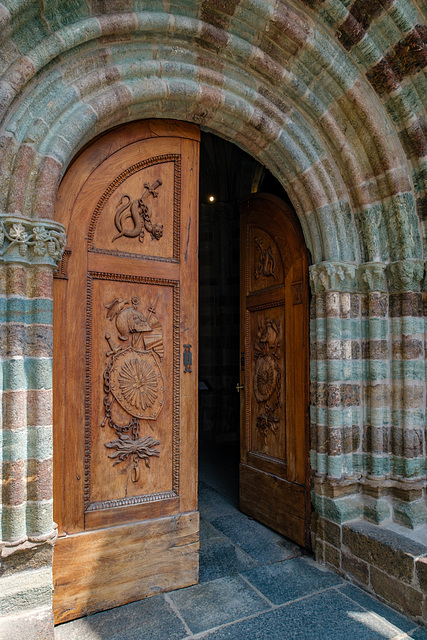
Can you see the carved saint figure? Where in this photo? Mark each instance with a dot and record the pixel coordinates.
(266, 261)
(138, 212)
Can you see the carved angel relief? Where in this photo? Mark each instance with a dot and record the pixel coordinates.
(267, 376)
(133, 379)
(266, 261)
(139, 214)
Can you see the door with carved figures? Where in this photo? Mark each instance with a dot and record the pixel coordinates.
(125, 370)
(274, 485)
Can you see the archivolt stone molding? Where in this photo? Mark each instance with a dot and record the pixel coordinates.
(31, 241)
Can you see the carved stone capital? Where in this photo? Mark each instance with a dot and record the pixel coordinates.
(31, 241)
(406, 275)
(372, 276)
(333, 276)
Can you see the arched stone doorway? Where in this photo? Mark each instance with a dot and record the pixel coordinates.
(324, 101)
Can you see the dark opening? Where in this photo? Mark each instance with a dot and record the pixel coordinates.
(227, 176)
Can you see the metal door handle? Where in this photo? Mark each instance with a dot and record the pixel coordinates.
(239, 387)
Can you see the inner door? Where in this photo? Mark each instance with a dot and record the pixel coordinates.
(274, 373)
(125, 370)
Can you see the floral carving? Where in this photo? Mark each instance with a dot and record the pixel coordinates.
(36, 243)
(267, 376)
(141, 448)
(133, 380)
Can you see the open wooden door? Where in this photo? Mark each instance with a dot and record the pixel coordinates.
(274, 374)
(125, 370)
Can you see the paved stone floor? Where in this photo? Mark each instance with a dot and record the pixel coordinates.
(254, 585)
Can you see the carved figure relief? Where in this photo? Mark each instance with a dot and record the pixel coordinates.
(267, 376)
(133, 379)
(266, 261)
(138, 213)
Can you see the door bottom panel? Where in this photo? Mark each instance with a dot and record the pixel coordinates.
(256, 491)
(101, 569)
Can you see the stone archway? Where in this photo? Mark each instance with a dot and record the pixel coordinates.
(335, 111)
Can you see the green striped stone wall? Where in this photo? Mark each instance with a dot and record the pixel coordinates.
(330, 96)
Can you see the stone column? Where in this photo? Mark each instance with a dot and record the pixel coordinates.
(29, 252)
(408, 383)
(335, 406)
(368, 502)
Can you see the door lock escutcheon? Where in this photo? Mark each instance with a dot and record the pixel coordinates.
(187, 358)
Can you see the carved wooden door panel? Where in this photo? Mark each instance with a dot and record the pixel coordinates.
(274, 340)
(125, 374)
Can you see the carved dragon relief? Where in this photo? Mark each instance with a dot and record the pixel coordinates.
(139, 214)
(266, 261)
(133, 379)
(267, 376)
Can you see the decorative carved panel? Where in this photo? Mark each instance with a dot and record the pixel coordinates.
(265, 350)
(265, 268)
(139, 213)
(132, 407)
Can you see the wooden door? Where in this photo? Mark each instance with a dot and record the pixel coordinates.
(274, 376)
(125, 370)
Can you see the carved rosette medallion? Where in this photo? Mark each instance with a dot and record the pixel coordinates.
(136, 383)
(267, 376)
(133, 379)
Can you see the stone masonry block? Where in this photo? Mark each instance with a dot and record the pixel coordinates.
(356, 568)
(421, 572)
(383, 548)
(35, 624)
(400, 595)
(328, 531)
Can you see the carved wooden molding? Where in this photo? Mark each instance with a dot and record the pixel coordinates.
(62, 271)
(34, 242)
(175, 392)
(134, 500)
(139, 166)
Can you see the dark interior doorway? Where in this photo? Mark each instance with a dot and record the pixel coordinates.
(227, 176)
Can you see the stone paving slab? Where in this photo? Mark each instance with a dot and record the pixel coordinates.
(325, 616)
(371, 604)
(149, 619)
(206, 606)
(213, 504)
(262, 544)
(292, 579)
(220, 558)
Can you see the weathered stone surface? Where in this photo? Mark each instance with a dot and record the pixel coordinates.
(355, 567)
(33, 624)
(384, 549)
(399, 594)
